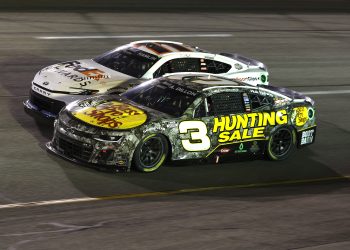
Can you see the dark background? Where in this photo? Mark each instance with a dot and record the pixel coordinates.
(267, 6)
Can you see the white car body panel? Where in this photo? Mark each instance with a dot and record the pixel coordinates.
(67, 81)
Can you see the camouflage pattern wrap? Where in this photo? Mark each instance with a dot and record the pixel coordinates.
(190, 136)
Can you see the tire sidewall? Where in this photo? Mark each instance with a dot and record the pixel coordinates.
(136, 158)
(291, 149)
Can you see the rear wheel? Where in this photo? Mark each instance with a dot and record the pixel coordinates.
(151, 153)
(281, 143)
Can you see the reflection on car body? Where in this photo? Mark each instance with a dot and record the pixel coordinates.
(184, 117)
(129, 65)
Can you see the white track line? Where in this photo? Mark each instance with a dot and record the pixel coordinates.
(328, 92)
(49, 202)
(132, 36)
(162, 193)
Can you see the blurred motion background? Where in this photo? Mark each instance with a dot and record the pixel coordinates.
(179, 5)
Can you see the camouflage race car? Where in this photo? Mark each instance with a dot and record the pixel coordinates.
(184, 117)
(126, 66)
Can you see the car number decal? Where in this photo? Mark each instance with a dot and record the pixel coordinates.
(199, 140)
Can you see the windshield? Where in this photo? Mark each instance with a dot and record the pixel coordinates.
(129, 61)
(164, 95)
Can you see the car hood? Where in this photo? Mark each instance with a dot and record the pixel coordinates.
(75, 76)
(114, 113)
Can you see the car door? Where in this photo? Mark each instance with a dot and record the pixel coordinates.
(199, 136)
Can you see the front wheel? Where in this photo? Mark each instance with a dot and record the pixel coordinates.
(281, 143)
(151, 153)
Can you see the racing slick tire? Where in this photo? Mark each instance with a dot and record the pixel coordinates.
(151, 153)
(282, 144)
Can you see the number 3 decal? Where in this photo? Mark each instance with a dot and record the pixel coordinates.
(199, 140)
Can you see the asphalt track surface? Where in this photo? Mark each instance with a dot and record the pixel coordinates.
(300, 203)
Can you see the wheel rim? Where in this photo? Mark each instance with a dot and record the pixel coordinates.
(281, 142)
(151, 152)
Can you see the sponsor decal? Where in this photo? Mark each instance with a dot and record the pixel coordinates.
(240, 149)
(199, 140)
(247, 126)
(89, 72)
(300, 115)
(307, 137)
(238, 66)
(230, 129)
(263, 78)
(121, 162)
(255, 147)
(180, 89)
(247, 79)
(224, 150)
(41, 91)
(112, 115)
(260, 92)
(246, 102)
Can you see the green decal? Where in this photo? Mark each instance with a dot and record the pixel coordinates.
(241, 149)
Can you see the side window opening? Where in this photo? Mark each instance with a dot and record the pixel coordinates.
(259, 102)
(214, 67)
(184, 65)
(225, 103)
(200, 111)
(164, 69)
(178, 65)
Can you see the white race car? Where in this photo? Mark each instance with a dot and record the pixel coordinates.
(124, 67)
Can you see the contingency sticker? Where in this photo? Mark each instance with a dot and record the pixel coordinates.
(112, 115)
(306, 137)
(301, 115)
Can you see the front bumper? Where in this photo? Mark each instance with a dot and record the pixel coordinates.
(43, 105)
(88, 151)
(36, 111)
(114, 168)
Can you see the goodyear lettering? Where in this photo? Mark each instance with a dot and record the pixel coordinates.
(247, 126)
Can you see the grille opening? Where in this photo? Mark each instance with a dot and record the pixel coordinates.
(74, 149)
(45, 103)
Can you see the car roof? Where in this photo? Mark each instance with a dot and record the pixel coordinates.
(163, 48)
(203, 81)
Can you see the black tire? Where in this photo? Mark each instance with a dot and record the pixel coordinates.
(151, 153)
(281, 143)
